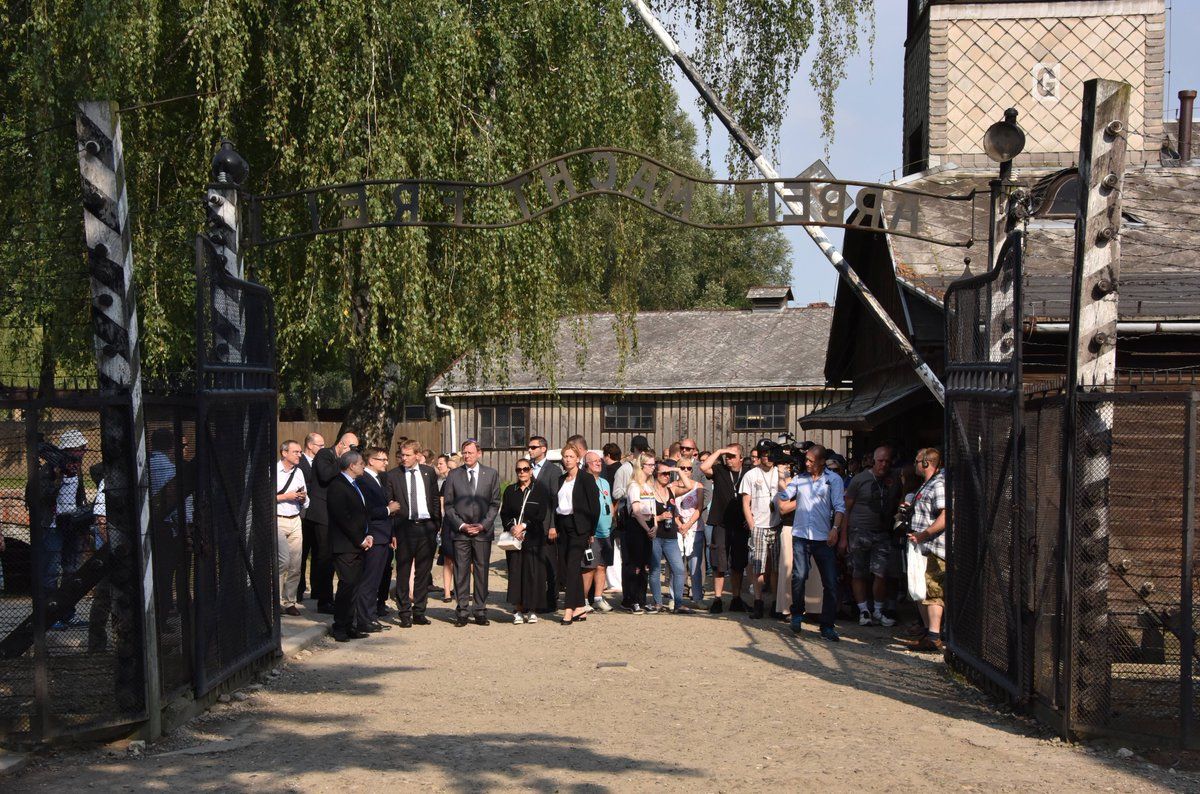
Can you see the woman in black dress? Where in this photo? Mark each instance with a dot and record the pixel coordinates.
(575, 514)
(522, 512)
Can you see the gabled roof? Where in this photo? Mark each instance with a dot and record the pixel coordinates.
(1160, 256)
(701, 350)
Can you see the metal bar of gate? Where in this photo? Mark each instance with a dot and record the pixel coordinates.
(923, 371)
(1187, 633)
(39, 720)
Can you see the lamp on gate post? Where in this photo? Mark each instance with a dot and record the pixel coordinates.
(1002, 142)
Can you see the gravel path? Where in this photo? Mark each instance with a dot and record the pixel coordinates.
(619, 703)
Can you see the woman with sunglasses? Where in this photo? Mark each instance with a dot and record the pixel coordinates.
(575, 516)
(522, 512)
(635, 540)
(689, 499)
(665, 542)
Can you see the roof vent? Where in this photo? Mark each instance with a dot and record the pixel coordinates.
(769, 299)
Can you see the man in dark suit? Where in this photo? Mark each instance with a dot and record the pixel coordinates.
(472, 495)
(379, 519)
(349, 538)
(414, 488)
(314, 516)
(548, 474)
(325, 471)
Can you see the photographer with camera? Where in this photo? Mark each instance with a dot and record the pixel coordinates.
(65, 516)
(758, 490)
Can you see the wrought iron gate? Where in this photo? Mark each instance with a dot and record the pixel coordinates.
(984, 499)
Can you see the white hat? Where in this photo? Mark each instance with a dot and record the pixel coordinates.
(72, 439)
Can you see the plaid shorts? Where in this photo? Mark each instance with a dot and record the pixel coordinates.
(762, 541)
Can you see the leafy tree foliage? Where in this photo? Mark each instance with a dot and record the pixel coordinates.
(323, 91)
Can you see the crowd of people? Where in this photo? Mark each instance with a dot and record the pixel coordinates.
(598, 522)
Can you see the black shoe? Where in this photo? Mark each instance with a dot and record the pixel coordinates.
(372, 628)
(482, 620)
(357, 635)
(717, 607)
(325, 609)
(340, 636)
(757, 612)
(420, 620)
(737, 604)
(292, 611)
(381, 611)
(406, 622)
(460, 621)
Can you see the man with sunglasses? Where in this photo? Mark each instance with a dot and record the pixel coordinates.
(546, 473)
(380, 509)
(730, 548)
(871, 501)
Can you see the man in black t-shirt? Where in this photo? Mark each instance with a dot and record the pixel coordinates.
(730, 549)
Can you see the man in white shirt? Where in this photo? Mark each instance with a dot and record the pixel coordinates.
(758, 489)
(291, 496)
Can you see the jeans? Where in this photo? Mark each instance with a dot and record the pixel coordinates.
(695, 564)
(666, 547)
(804, 553)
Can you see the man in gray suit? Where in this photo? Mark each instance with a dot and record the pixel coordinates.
(472, 498)
(548, 474)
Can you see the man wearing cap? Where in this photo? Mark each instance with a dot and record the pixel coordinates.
(60, 498)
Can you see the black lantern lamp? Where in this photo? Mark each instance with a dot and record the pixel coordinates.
(228, 167)
(1003, 141)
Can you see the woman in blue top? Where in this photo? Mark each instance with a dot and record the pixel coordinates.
(602, 546)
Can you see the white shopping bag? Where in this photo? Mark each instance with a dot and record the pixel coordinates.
(914, 566)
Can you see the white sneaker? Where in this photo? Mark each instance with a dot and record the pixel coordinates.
(883, 620)
(587, 609)
(602, 605)
(864, 617)
(531, 618)
(517, 618)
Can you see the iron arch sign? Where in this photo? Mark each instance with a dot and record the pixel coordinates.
(585, 173)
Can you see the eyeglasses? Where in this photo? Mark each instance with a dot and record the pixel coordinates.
(536, 446)
(687, 449)
(380, 460)
(663, 474)
(684, 468)
(523, 469)
(648, 463)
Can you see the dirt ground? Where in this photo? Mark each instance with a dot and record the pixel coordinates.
(618, 703)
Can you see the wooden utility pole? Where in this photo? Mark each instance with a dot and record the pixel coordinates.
(123, 427)
(1091, 367)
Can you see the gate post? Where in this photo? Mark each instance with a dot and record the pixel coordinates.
(123, 430)
(1092, 363)
(229, 170)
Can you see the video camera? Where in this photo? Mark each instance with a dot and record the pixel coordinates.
(791, 452)
(58, 459)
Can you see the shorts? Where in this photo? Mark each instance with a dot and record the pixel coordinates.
(762, 543)
(603, 549)
(739, 549)
(719, 556)
(870, 553)
(935, 574)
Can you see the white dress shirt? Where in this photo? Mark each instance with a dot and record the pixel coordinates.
(289, 509)
(422, 502)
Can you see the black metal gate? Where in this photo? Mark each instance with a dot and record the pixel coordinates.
(237, 619)
(984, 498)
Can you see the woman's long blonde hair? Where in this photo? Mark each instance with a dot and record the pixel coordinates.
(639, 471)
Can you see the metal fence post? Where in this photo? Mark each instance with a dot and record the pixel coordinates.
(1092, 364)
(118, 358)
(1187, 633)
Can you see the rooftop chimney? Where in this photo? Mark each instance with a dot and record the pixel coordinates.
(1186, 102)
(769, 299)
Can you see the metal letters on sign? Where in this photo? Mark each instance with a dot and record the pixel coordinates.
(536, 192)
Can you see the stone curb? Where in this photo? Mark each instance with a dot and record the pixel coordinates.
(11, 762)
(306, 637)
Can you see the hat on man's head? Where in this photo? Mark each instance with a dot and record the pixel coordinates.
(639, 444)
(72, 439)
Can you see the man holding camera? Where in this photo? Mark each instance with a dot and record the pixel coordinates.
(59, 494)
(291, 496)
(758, 490)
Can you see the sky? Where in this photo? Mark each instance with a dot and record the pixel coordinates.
(868, 136)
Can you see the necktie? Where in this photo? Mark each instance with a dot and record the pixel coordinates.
(412, 494)
(471, 479)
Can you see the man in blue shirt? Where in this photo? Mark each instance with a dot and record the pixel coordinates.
(818, 497)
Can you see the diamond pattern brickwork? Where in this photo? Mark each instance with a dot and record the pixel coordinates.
(988, 66)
